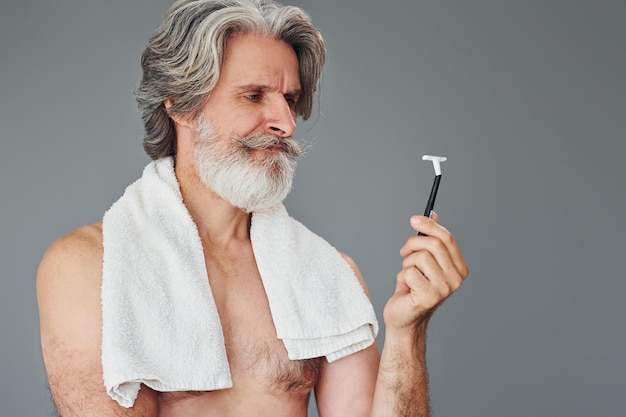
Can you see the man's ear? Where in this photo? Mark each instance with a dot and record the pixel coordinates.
(179, 119)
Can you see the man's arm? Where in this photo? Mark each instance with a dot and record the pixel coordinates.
(346, 386)
(68, 292)
(433, 268)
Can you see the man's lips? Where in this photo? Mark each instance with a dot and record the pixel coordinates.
(277, 147)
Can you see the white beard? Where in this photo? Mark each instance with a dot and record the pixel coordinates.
(241, 172)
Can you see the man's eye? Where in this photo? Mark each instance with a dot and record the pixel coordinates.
(253, 97)
(291, 101)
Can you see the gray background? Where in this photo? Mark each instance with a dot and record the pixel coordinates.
(527, 99)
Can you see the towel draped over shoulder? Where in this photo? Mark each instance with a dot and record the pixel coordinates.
(161, 326)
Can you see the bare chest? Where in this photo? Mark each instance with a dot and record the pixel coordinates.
(252, 347)
(257, 358)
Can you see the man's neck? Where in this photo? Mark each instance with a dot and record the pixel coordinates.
(219, 222)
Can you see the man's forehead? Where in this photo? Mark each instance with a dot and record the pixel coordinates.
(267, 63)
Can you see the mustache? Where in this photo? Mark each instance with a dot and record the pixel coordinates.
(290, 146)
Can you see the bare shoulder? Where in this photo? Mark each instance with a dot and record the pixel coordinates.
(70, 273)
(68, 294)
(84, 238)
(71, 266)
(80, 248)
(356, 270)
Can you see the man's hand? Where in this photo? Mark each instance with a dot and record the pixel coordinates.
(433, 268)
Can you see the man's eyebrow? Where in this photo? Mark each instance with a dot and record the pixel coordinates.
(251, 87)
(295, 92)
(262, 88)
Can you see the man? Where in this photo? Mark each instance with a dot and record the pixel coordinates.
(223, 84)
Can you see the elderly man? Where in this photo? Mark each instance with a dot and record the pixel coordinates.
(197, 295)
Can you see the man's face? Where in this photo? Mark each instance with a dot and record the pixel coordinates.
(244, 150)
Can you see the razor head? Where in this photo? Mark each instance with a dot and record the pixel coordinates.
(437, 160)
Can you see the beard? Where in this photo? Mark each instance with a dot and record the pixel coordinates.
(252, 172)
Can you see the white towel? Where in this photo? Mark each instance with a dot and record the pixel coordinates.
(160, 322)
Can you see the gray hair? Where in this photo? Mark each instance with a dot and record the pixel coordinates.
(183, 58)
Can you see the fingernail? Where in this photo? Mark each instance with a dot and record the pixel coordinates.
(415, 220)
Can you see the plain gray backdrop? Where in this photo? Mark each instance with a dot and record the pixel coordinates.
(527, 99)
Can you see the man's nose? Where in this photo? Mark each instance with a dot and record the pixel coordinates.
(280, 118)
